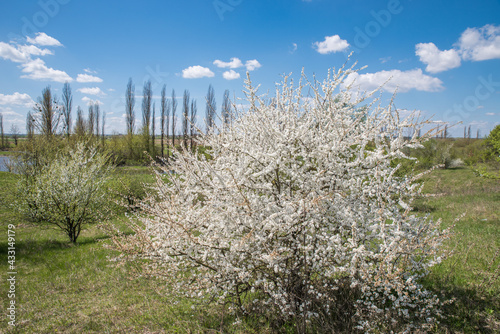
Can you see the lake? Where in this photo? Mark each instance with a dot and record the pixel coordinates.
(4, 160)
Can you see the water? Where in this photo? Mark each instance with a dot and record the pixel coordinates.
(3, 163)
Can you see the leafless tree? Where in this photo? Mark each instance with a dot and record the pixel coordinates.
(147, 95)
(14, 132)
(30, 126)
(49, 112)
(210, 110)
(226, 108)
(192, 128)
(129, 109)
(174, 109)
(153, 132)
(91, 120)
(167, 124)
(67, 99)
(80, 124)
(185, 116)
(102, 131)
(97, 114)
(162, 117)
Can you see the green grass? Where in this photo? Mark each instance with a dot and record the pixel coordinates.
(68, 288)
(470, 275)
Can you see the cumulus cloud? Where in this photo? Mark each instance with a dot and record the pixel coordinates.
(86, 78)
(435, 59)
(331, 44)
(475, 44)
(252, 65)
(196, 72)
(231, 75)
(16, 99)
(9, 113)
(480, 43)
(10, 52)
(234, 63)
(90, 101)
(34, 50)
(91, 91)
(37, 70)
(44, 40)
(395, 79)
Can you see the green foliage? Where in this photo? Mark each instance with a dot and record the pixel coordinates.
(128, 187)
(129, 150)
(66, 191)
(493, 141)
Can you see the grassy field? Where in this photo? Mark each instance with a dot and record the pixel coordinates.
(68, 288)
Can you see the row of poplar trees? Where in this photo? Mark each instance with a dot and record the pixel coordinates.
(53, 117)
(169, 118)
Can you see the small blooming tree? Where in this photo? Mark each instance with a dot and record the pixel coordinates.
(68, 191)
(298, 212)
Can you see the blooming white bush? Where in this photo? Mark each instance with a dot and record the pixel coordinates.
(298, 211)
(68, 191)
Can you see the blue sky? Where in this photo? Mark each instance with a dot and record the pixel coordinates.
(443, 56)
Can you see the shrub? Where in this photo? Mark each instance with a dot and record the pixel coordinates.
(493, 142)
(67, 191)
(296, 218)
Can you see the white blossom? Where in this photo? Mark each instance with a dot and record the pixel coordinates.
(299, 204)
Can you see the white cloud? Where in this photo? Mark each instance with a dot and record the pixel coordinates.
(252, 65)
(196, 72)
(34, 50)
(234, 63)
(230, 75)
(16, 99)
(490, 114)
(385, 59)
(88, 70)
(111, 90)
(44, 40)
(37, 70)
(8, 113)
(86, 78)
(331, 44)
(10, 52)
(294, 47)
(395, 79)
(90, 101)
(435, 59)
(480, 43)
(91, 91)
